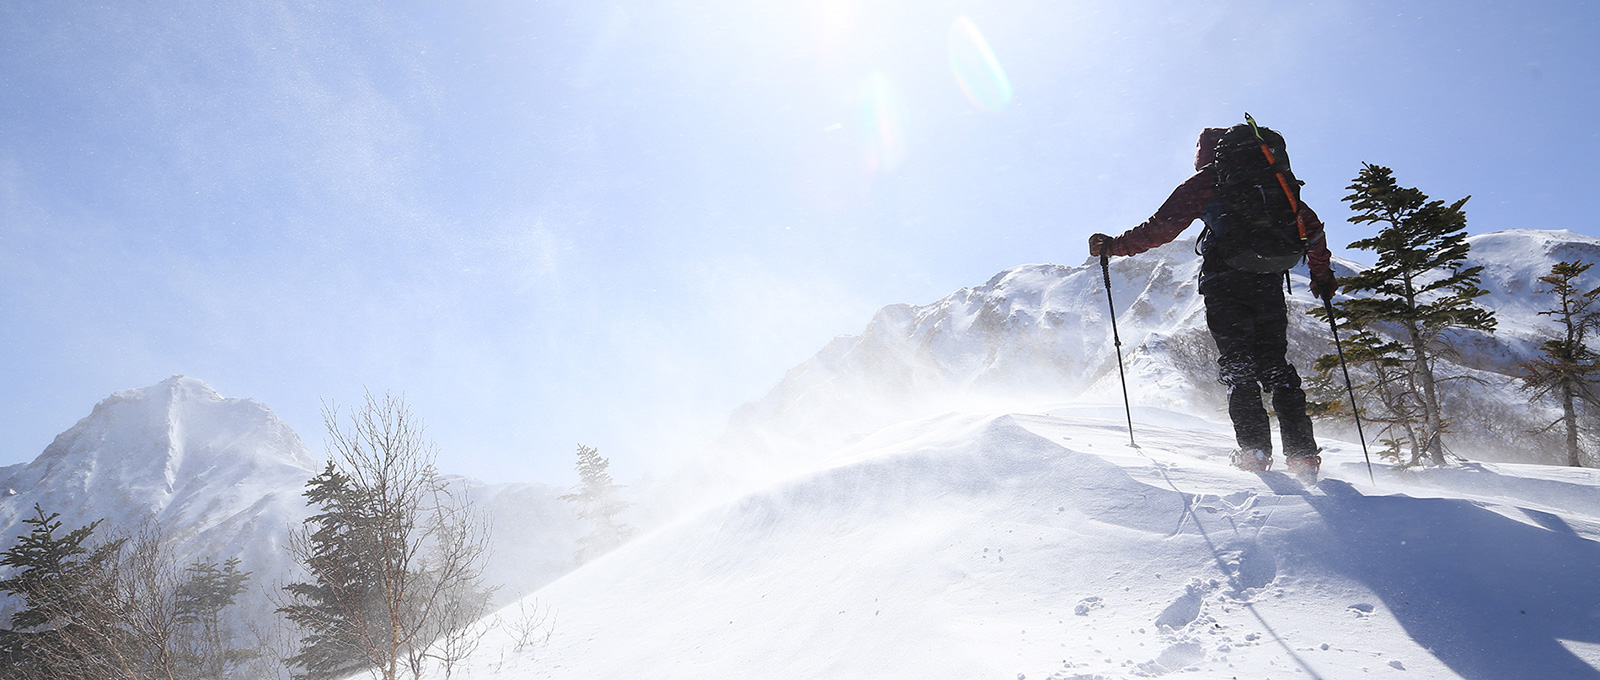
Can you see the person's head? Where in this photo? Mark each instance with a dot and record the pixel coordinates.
(1206, 147)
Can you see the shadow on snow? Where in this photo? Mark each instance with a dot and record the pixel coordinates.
(1488, 595)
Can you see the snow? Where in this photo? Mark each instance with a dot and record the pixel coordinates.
(1512, 263)
(1041, 333)
(1041, 545)
(223, 477)
(952, 494)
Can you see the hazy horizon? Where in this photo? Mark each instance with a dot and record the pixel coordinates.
(613, 223)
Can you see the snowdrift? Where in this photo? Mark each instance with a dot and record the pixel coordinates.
(1043, 546)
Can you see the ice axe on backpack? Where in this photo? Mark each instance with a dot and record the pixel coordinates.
(1327, 305)
(1105, 273)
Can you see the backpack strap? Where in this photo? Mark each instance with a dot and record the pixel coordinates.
(1272, 160)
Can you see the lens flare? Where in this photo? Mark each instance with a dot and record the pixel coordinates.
(838, 163)
(976, 69)
(881, 124)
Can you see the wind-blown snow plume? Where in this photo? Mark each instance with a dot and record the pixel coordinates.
(221, 477)
(1042, 546)
(1039, 333)
(224, 477)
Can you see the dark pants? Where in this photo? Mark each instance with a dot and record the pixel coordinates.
(1249, 323)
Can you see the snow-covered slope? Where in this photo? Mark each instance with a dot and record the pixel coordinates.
(931, 520)
(1042, 332)
(221, 476)
(1512, 263)
(1040, 545)
(224, 477)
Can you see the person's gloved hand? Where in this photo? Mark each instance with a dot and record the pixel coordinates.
(1099, 243)
(1323, 285)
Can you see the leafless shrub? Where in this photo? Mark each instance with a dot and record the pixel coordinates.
(395, 557)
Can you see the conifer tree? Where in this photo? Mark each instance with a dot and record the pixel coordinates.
(58, 632)
(1567, 368)
(1390, 400)
(207, 591)
(341, 602)
(1419, 288)
(597, 500)
(395, 557)
(115, 610)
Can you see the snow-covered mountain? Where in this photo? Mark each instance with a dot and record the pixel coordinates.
(1041, 333)
(957, 498)
(223, 478)
(951, 494)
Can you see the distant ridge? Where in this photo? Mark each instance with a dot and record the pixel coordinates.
(1039, 333)
(223, 477)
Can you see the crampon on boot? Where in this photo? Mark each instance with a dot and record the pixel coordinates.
(1253, 460)
(1305, 468)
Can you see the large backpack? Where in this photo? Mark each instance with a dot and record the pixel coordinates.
(1253, 224)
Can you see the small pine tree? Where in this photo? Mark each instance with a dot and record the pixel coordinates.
(341, 600)
(59, 632)
(1567, 367)
(395, 558)
(208, 590)
(597, 500)
(1419, 288)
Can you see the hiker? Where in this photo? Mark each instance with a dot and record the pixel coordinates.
(1256, 229)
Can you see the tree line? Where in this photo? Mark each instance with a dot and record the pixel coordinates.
(1405, 313)
(390, 577)
(119, 608)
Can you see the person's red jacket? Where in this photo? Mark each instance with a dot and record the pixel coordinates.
(1190, 199)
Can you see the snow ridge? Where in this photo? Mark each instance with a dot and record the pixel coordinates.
(1041, 333)
(1042, 546)
(176, 452)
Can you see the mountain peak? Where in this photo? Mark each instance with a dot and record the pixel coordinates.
(141, 448)
(174, 390)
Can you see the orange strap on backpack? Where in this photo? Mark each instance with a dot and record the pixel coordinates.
(1272, 160)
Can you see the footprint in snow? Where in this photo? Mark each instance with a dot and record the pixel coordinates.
(1087, 605)
(1174, 658)
(1183, 610)
(1249, 566)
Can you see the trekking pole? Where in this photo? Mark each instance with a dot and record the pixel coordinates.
(1105, 272)
(1327, 305)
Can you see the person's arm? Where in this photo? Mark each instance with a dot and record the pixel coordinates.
(1318, 257)
(1317, 254)
(1180, 210)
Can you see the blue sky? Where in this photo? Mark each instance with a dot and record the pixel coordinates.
(613, 222)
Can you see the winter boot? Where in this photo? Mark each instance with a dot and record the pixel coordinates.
(1253, 460)
(1305, 468)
